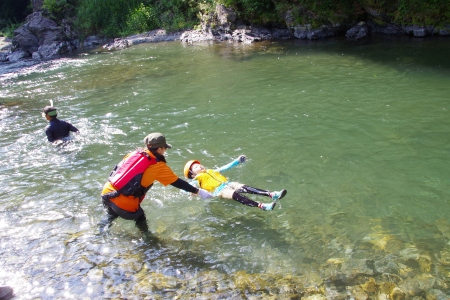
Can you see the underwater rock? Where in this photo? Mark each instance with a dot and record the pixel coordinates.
(417, 285)
(398, 294)
(250, 282)
(351, 269)
(311, 282)
(444, 257)
(387, 265)
(289, 285)
(386, 288)
(425, 264)
(385, 242)
(162, 282)
(404, 271)
(434, 294)
(315, 297)
(370, 286)
(357, 292)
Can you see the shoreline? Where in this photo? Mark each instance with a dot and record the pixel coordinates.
(5, 44)
(240, 36)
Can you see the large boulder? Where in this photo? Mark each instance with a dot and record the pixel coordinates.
(226, 17)
(307, 32)
(3, 56)
(43, 36)
(358, 31)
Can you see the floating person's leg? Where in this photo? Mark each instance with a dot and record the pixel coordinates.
(255, 191)
(244, 200)
(267, 206)
(249, 202)
(252, 190)
(233, 191)
(278, 195)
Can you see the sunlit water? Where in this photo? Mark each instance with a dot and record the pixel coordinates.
(359, 135)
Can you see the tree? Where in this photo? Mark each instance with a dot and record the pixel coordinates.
(14, 11)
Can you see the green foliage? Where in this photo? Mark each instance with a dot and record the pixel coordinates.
(59, 9)
(177, 14)
(422, 12)
(108, 17)
(12, 15)
(7, 30)
(258, 12)
(14, 11)
(121, 17)
(141, 19)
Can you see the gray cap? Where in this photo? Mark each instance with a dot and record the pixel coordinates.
(156, 140)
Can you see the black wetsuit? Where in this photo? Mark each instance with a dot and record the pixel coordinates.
(58, 129)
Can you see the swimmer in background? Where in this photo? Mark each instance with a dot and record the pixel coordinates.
(217, 184)
(57, 129)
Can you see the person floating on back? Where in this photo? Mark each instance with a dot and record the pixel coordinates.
(57, 129)
(217, 184)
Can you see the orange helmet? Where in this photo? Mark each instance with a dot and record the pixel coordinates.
(187, 167)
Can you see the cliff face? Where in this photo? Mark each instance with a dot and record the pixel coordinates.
(37, 5)
(302, 23)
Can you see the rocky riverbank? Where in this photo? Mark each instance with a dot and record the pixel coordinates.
(41, 38)
(5, 44)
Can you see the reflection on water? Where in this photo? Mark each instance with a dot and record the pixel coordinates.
(358, 135)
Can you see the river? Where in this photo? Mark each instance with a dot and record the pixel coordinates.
(358, 134)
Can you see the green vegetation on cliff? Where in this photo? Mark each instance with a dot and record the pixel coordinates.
(123, 17)
(12, 14)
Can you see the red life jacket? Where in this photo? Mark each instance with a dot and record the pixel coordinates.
(127, 175)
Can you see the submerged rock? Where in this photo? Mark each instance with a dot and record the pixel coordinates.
(434, 294)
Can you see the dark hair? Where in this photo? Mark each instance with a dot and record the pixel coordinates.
(50, 111)
(157, 155)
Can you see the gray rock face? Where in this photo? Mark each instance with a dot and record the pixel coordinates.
(304, 32)
(358, 31)
(225, 16)
(444, 31)
(17, 55)
(37, 4)
(41, 35)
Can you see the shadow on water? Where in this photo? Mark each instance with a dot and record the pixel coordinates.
(430, 52)
(397, 51)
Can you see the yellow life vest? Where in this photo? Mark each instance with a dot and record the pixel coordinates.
(210, 180)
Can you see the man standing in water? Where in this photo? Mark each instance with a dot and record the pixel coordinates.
(57, 129)
(130, 180)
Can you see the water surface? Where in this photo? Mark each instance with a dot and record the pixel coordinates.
(357, 133)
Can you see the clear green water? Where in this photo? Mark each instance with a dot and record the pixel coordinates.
(359, 135)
